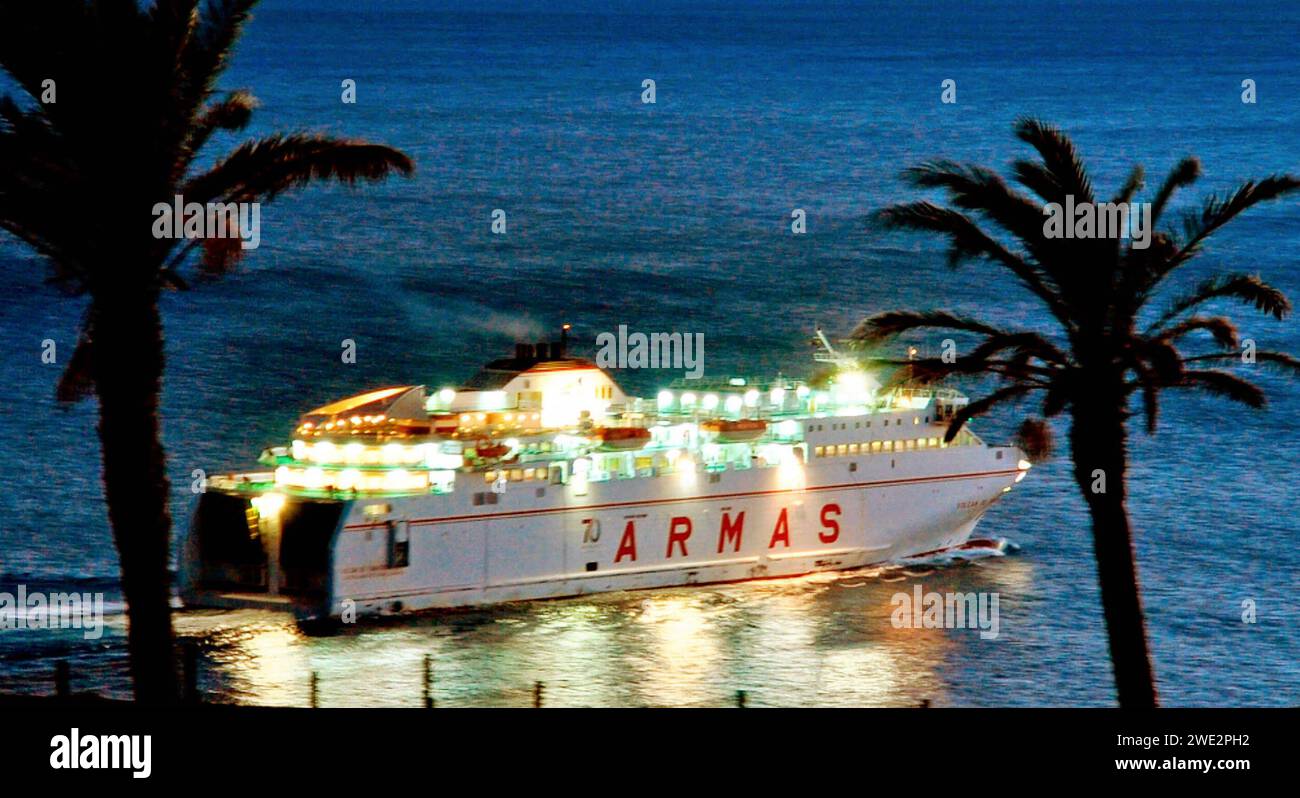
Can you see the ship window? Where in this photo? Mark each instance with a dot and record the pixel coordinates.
(853, 448)
(868, 425)
(916, 420)
(875, 446)
(819, 451)
(528, 473)
(399, 544)
(516, 475)
(842, 449)
(489, 477)
(934, 441)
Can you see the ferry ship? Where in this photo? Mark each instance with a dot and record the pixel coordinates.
(540, 478)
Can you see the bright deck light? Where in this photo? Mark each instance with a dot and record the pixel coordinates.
(733, 404)
(268, 505)
(313, 478)
(665, 400)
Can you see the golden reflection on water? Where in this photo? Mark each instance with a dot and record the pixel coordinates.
(824, 640)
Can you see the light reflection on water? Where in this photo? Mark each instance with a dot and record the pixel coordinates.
(824, 640)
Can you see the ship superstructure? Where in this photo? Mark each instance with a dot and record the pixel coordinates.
(539, 477)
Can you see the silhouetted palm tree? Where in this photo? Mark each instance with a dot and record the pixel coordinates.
(120, 101)
(1108, 342)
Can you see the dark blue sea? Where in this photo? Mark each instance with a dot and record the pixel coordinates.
(676, 216)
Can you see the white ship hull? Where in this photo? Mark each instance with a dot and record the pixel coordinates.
(474, 546)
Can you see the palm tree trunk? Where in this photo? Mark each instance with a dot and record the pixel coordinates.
(127, 367)
(1098, 439)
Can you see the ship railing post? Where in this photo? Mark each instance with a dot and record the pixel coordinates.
(538, 689)
(315, 690)
(741, 698)
(428, 681)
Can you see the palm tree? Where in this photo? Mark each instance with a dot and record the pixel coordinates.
(119, 103)
(1107, 342)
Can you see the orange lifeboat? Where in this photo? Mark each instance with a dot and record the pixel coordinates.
(745, 429)
(487, 450)
(622, 438)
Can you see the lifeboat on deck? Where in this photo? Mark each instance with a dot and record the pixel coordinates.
(622, 438)
(487, 450)
(745, 429)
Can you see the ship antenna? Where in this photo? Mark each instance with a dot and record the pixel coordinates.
(830, 355)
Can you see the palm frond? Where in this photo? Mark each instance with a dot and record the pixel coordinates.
(1039, 179)
(1248, 288)
(975, 188)
(968, 241)
(261, 170)
(1218, 211)
(891, 323)
(1133, 184)
(1150, 384)
(1031, 343)
(232, 113)
(1160, 356)
(981, 406)
(1059, 156)
(1184, 174)
(1220, 328)
(1224, 384)
(205, 53)
(1277, 361)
